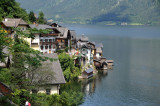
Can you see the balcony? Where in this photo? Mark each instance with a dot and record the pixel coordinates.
(48, 42)
(34, 44)
(50, 34)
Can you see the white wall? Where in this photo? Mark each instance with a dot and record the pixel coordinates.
(36, 39)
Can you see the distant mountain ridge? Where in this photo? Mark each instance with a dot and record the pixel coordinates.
(97, 11)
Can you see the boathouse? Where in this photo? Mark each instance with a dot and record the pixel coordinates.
(87, 73)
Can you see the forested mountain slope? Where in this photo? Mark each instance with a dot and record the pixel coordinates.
(97, 11)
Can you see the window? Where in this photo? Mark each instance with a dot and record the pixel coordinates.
(42, 47)
(48, 91)
(22, 28)
(46, 47)
(49, 46)
(50, 40)
(46, 40)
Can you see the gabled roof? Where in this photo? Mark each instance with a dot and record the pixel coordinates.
(13, 22)
(4, 89)
(98, 45)
(40, 26)
(73, 34)
(83, 38)
(101, 60)
(99, 50)
(93, 43)
(63, 30)
(56, 68)
(89, 70)
(54, 24)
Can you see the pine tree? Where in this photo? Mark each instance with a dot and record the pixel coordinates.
(41, 18)
(32, 18)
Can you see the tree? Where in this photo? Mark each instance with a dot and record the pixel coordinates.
(32, 18)
(69, 70)
(4, 42)
(26, 63)
(11, 9)
(41, 18)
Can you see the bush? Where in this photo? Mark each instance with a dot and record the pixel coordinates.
(69, 70)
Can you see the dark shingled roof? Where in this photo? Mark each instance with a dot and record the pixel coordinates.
(99, 50)
(83, 38)
(13, 22)
(40, 26)
(73, 34)
(56, 68)
(89, 70)
(63, 31)
(98, 45)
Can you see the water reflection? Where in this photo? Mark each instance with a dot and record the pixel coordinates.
(135, 78)
(89, 85)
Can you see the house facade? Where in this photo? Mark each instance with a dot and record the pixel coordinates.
(8, 23)
(45, 43)
(63, 39)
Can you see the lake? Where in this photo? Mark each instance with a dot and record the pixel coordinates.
(135, 78)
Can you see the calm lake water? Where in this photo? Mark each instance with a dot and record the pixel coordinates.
(135, 78)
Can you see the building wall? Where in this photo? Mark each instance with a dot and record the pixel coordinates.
(36, 39)
(98, 55)
(28, 40)
(35, 47)
(89, 55)
(54, 89)
(23, 27)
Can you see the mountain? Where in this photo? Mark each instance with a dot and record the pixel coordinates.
(97, 11)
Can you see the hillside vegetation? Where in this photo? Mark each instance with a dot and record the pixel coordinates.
(12, 9)
(97, 11)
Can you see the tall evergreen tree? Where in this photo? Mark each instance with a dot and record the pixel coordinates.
(41, 18)
(32, 18)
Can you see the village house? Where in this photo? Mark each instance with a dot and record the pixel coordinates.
(54, 25)
(83, 40)
(100, 63)
(53, 85)
(63, 39)
(4, 90)
(85, 54)
(73, 42)
(87, 73)
(45, 43)
(98, 50)
(92, 46)
(8, 23)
